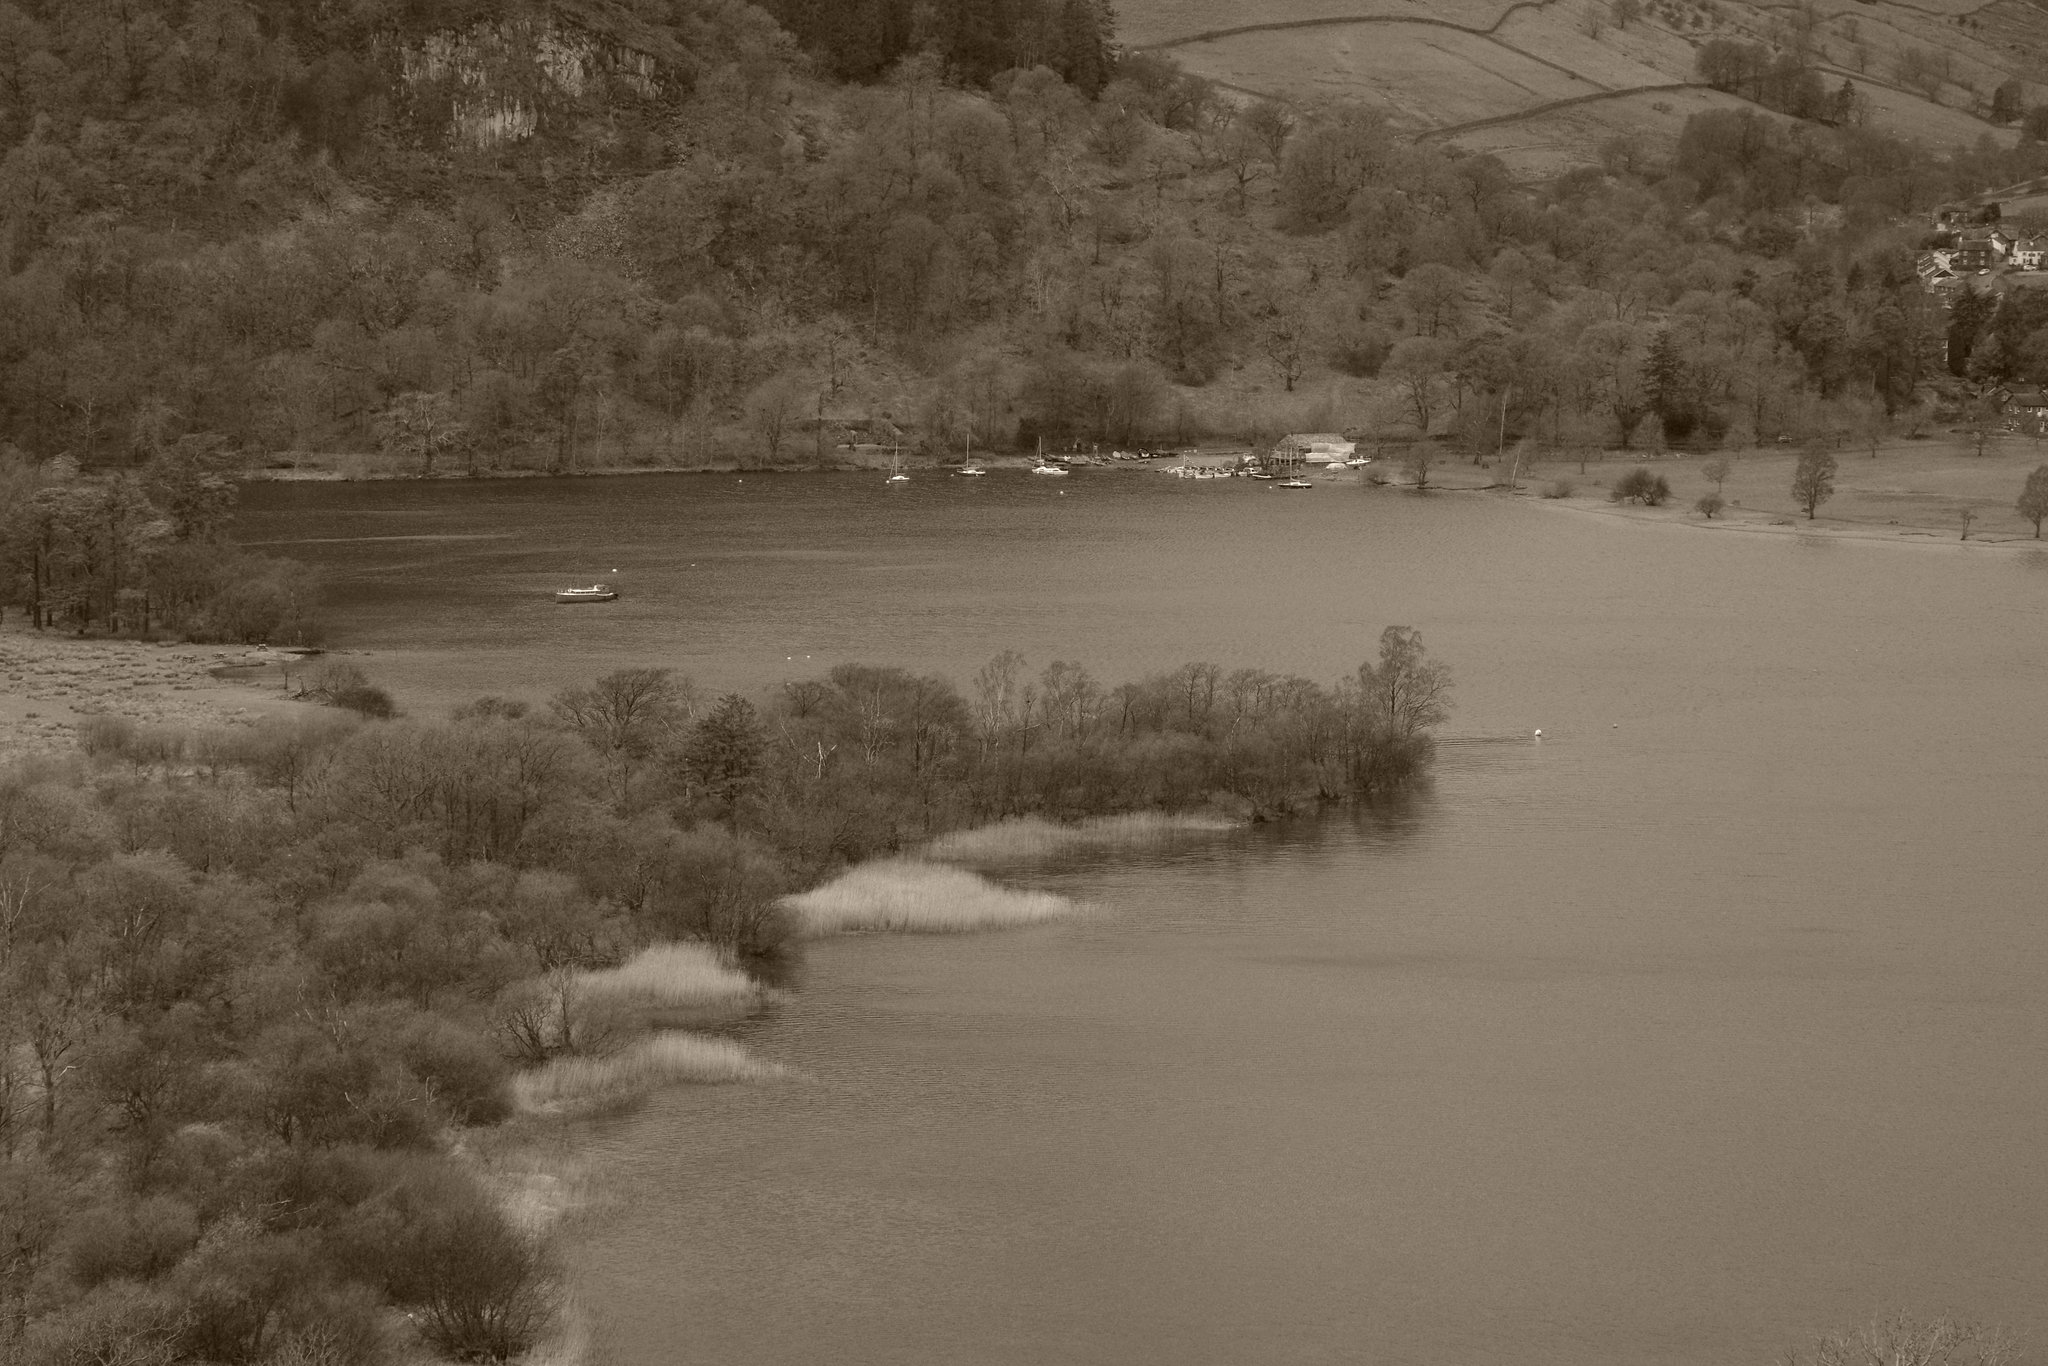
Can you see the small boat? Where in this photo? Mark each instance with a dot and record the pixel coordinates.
(1261, 474)
(597, 592)
(967, 467)
(1295, 483)
(1049, 469)
(899, 477)
(970, 472)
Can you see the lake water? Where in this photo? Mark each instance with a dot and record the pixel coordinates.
(1714, 1019)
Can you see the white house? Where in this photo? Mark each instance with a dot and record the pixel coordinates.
(1935, 264)
(1319, 448)
(2029, 253)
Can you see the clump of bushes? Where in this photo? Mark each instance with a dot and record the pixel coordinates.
(1709, 505)
(1559, 488)
(340, 684)
(1639, 485)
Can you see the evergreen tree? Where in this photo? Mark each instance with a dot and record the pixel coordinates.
(723, 754)
(1668, 386)
(1967, 319)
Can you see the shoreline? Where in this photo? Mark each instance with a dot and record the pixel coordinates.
(1927, 483)
(375, 470)
(1821, 528)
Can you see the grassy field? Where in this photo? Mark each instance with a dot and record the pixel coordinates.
(1422, 77)
(1426, 76)
(1912, 491)
(1642, 54)
(1546, 145)
(50, 682)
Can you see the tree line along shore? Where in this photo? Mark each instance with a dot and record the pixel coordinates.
(258, 981)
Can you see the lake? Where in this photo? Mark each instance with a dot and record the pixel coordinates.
(1712, 1020)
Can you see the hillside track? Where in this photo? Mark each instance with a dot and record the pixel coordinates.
(1211, 35)
(1536, 111)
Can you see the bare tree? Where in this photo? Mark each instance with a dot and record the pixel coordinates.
(1897, 1340)
(772, 409)
(624, 717)
(1813, 479)
(419, 425)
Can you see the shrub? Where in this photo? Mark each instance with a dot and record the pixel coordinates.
(343, 685)
(433, 1240)
(105, 734)
(134, 1241)
(1559, 488)
(1640, 486)
(1709, 505)
(119, 1322)
(491, 708)
(236, 1285)
(465, 1073)
(722, 888)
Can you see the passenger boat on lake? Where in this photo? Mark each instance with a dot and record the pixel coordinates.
(597, 592)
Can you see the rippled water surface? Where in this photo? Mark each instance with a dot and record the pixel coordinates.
(1715, 1018)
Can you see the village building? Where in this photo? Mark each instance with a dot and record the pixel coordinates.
(2027, 406)
(2030, 253)
(1317, 448)
(1981, 249)
(1935, 265)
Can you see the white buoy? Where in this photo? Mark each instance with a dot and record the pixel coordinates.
(1539, 735)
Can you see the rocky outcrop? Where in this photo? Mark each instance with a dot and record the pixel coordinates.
(501, 81)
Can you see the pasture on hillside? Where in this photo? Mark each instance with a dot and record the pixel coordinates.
(1427, 75)
(1548, 144)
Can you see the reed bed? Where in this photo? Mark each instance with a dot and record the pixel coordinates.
(1029, 837)
(586, 1086)
(912, 897)
(670, 977)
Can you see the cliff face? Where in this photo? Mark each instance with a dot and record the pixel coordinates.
(503, 81)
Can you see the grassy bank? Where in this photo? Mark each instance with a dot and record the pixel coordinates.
(1909, 491)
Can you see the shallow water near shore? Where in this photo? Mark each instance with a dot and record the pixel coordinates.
(1712, 1020)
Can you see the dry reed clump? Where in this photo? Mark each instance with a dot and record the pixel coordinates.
(1025, 837)
(585, 1086)
(919, 898)
(669, 977)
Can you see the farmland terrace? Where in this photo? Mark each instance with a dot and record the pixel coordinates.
(1542, 83)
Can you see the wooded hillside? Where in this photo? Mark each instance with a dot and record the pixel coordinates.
(674, 232)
